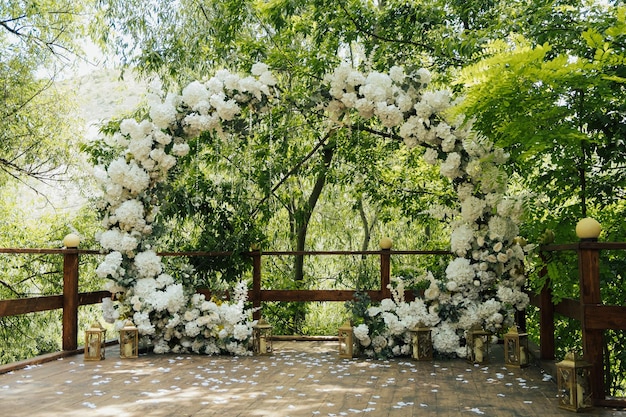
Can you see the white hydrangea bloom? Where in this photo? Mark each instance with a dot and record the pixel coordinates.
(194, 93)
(450, 168)
(377, 87)
(148, 264)
(461, 239)
(460, 271)
(111, 266)
(472, 209)
(130, 215)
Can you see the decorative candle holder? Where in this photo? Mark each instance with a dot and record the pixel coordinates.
(516, 348)
(95, 342)
(346, 340)
(421, 343)
(478, 346)
(573, 383)
(262, 338)
(129, 341)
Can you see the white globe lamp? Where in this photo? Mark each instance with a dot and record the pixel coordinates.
(385, 243)
(71, 241)
(588, 229)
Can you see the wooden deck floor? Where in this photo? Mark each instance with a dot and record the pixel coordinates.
(301, 379)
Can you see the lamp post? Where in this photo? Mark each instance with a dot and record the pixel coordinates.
(71, 241)
(588, 229)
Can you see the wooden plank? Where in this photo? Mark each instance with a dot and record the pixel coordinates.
(45, 251)
(546, 323)
(19, 306)
(601, 317)
(311, 295)
(30, 305)
(70, 301)
(38, 360)
(569, 308)
(86, 298)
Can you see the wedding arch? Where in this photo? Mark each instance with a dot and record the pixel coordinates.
(482, 285)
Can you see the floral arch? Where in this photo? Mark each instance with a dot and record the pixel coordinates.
(482, 285)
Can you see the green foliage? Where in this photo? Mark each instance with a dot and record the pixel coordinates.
(37, 40)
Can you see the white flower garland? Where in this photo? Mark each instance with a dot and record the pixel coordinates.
(481, 286)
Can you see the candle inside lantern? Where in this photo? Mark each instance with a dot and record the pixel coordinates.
(522, 356)
(93, 344)
(579, 395)
(128, 350)
(478, 350)
(262, 345)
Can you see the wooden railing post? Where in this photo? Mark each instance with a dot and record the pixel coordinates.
(385, 272)
(256, 284)
(589, 281)
(546, 317)
(70, 299)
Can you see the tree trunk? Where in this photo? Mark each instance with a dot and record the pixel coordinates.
(302, 218)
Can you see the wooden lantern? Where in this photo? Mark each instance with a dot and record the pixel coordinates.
(516, 352)
(478, 346)
(129, 341)
(95, 340)
(346, 340)
(262, 338)
(573, 383)
(421, 343)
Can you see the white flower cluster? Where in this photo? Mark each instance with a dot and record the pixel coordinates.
(397, 317)
(481, 285)
(488, 268)
(160, 307)
(207, 326)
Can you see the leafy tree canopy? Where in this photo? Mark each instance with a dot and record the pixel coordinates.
(560, 113)
(38, 41)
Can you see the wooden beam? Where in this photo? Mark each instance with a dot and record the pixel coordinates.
(569, 308)
(592, 339)
(70, 300)
(86, 298)
(601, 317)
(30, 305)
(312, 295)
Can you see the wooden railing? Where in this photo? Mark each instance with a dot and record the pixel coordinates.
(71, 299)
(594, 317)
(258, 295)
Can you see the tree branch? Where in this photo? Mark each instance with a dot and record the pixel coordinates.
(293, 170)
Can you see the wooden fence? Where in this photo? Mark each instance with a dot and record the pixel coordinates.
(71, 298)
(593, 315)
